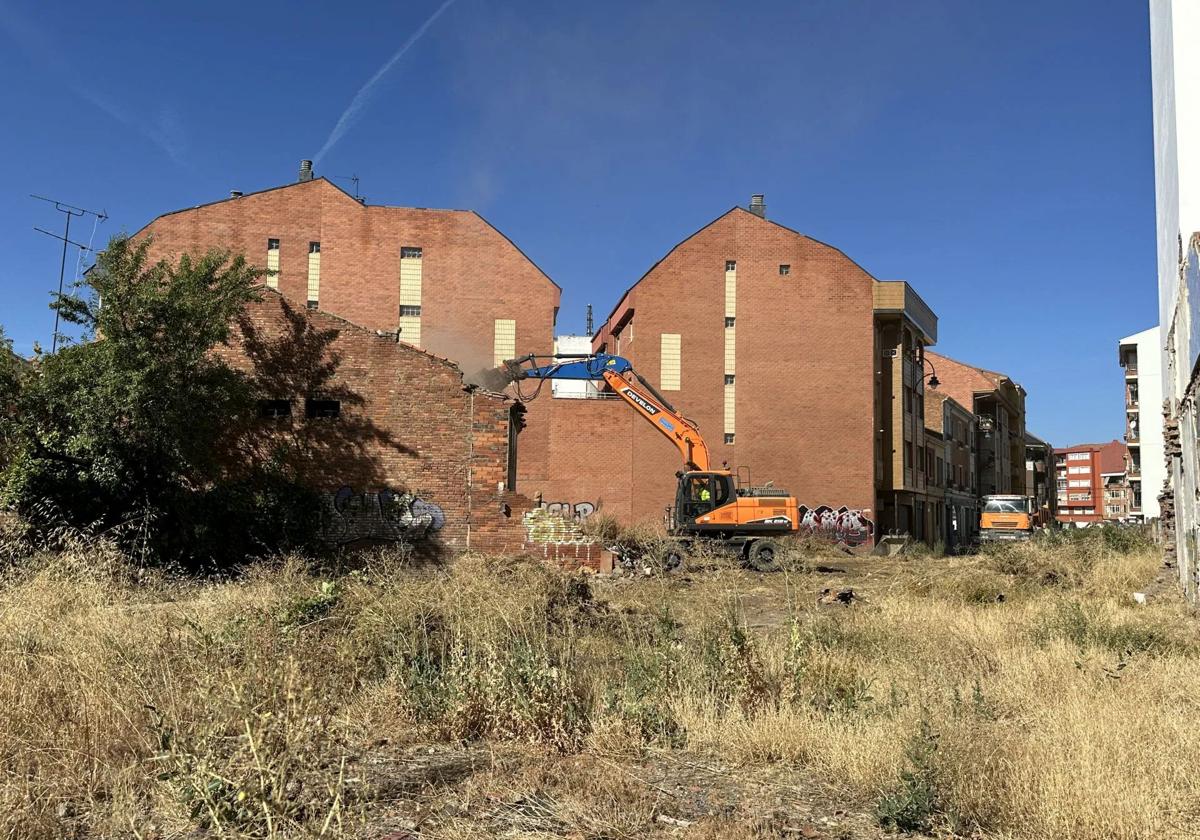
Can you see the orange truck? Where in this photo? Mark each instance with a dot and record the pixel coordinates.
(1010, 518)
(710, 504)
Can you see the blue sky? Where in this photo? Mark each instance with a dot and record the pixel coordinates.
(997, 155)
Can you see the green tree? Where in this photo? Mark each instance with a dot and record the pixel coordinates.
(10, 373)
(138, 422)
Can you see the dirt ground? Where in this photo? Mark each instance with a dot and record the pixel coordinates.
(442, 791)
(449, 791)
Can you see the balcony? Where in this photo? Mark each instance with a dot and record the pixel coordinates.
(897, 297)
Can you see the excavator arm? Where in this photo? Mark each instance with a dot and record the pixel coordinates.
(639, 394)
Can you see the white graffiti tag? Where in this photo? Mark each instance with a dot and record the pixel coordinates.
(382, 515)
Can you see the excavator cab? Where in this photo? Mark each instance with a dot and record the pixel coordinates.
(700, 493)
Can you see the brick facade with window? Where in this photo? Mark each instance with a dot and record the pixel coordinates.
(769, 340)
(449, 268)
(393, 438)
(447, 280)
(1092, 483)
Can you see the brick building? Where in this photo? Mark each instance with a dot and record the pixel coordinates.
(955, 427)
(998, 404)
(799, 367)
(1091, 483)
(402, 447)
(445, 280)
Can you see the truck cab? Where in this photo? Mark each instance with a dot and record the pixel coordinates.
(1007, 518)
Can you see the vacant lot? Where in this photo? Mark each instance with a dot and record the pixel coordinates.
(1022, 694)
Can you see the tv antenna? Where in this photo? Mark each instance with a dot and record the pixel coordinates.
(351, 178)
(70, 211)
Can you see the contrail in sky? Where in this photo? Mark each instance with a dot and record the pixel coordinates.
(364, 93)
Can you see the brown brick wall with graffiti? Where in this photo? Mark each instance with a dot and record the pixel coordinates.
(471, 274)
(400, 447)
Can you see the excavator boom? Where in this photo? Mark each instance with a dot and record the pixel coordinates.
(708, 504)
(641, 396)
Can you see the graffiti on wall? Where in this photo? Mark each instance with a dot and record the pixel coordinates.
(579, 511)
(349, 516)
(849, 526)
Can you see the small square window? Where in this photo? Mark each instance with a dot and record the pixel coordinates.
(729, 379)
(314, 247)
(275, 408)
(312, 304)
(784, 269)
(314, 409)
(272, 244)
(730, 321)
(731, 265)
(410, 253)
(410, 312)
(729, 437)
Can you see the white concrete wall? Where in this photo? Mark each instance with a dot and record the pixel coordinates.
(1150, 398)
(573, 389)
(1175, 63)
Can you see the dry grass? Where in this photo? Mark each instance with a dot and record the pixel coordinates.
(144, 707)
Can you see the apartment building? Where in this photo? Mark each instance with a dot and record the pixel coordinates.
(998, 404)
(954, 425)
(800, 368)
(1175, 72)
(1091, 484)
(1040, 483)
(445, 281)
(1140, 357)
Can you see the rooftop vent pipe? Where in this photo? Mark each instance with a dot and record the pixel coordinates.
(757, 207)
(306, 170)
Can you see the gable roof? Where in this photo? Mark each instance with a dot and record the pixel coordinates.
(735, 209)
(321, 179)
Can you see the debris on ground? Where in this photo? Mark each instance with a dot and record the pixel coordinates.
(845, 597)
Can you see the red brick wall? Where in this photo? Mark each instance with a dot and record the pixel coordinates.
(1102, 458)
(472, 274)
(804, 374)
(592, 458)
(407, 424)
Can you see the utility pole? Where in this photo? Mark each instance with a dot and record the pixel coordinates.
(68, 210)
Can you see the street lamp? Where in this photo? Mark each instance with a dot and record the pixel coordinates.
(932, 375)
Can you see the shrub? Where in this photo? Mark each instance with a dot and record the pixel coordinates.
(914, 803)
(730, 663)
(649, 681)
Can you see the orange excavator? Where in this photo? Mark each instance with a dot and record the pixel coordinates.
(710, 505)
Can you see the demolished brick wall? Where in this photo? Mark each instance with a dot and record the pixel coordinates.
(413, 455)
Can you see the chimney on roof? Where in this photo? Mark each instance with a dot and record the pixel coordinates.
(757, 207)
(235, 193)
(305, 170)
